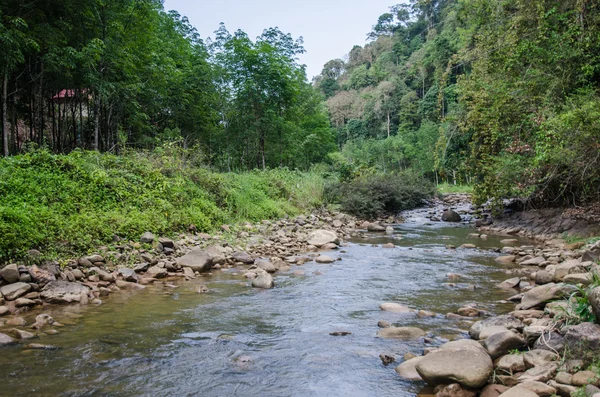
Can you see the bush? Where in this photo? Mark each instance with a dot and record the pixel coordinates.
(371, 196)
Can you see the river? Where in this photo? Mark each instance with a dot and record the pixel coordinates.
(240, 341)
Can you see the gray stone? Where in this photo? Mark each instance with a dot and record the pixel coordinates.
(505, 321)
(563, 390)
(157, 272)
(408, 369)
(539, 296)
(539, 388)
(63, 292)
(104, 275)
(375, 227)
(583, 341)
(405, 333)
(5, 339)
(128, 274)
(465, 363)
(320, 237)
(543, 277)
(166, 242)
(511, 363)
(501, 343)
(266, 265)
(324, 259)
(505, 259)
(518, 391)
(147, 238)
(10, 273)
(263, 280)
(551, 341)
(141, 267)
(13, 291)
(198, 261)
(594, 298)
(451, 216)
(242, 256)
(540, 373)
(395, 307)
(4, 311)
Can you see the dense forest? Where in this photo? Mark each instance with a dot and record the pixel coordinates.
(500, 94)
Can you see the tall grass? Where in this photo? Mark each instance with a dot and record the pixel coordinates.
(67, 204)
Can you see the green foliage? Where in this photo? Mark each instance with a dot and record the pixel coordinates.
(72, 203)
(445, 188)
(374, 195)
(579, 308)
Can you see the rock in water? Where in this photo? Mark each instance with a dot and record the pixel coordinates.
(408, 371)
(319, 238)
(466, 363)
(395, 307)
(198, 261)
(263, 280)
(405, 333)
(63, 292)
(451, 216)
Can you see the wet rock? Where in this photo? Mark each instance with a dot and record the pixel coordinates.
(10, 273)
(63, 292)
(508, 241)
(202, 289)
(454, 390)
(451, 216)
(510, 283)
(4, 311)
(20, 334)
(539, 296)
(147, 238)
(14, 291)
(39, 346)
(157, 272)
(408, 371)
(389, 230)
(324, 259)
(375, 227)
(6, 340)
(188, 273)
(16, 322)
(267, 266)
(320, 237)
(340, 333)
(395, 307)
(583, 341)
(501, 343)
(468, 311)
(242, 256)
(465, 362)
(388, 245)
(383, 324)
(24, 302)
(506, 259)
(505, 321)
(42, 320)
(263, 280)
(405, 333)
(198, 261)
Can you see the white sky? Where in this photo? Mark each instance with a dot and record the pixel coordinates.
(330, 28)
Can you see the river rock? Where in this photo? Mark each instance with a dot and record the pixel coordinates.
(563, 390)
(141, 267)
(551, 341)
(147, 238)
(157, 272)
(405, 333)
(579, 278)
(389, 230)
(594, 299)
(538, 357)
(41, 276)
(583, 378)
(569, 267)
(321, 237)
(263, 280)
(10, 273)
(395, 307)
(468, 311)
(128, 274)
(408, 371)
(451, 216)
(540, 373)
(454, 390)
(63, 292)
(198, 261)
(539, 296)
(538, 260)
(518, 391)
(166, 243)
(501, 343)
(583, 341)
(506, 259)
(4, 311)
(543, 277)
(493, 390)
(20, 334)
(5, 339)
(324, 259)
(375, 227)
(539, 388)
(13, 291)
(505, 321)
(511, 363)
(24, 302)
(242, 256)
(266, 265)
(465, 362)
(103, 274)
(39, 346)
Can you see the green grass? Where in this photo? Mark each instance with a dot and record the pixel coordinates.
(445, 188)
(70, 204)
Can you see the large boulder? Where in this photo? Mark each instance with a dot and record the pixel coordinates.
(13, 291)
(405, 333)
(320, 237)
(539, 296)
(197, 260)
(41, 276)
(451, 216)
(464, 363)
(242, 256)
(63, 292)
(583, 341)
(10, 273)
(505, 321)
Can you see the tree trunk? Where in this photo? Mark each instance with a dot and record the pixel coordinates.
(96, 121)
(4, 114)
(388, 124)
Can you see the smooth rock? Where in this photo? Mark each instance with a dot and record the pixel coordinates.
(147, 238)
(454, 390)
(320, 237)
(493, 390)
(10, 273)
(541, 373)
(324, 259)
(539, 388)
(505, 321)
(408, 371)
(263, 280)
(451, 216)
(518, 391)
(395, 307)
(157, 272)
(583, 341)
(198, 261)
(6, 340)
(242, 256)
(511, 363)
(405, 333)
(14, 291)
(562, 390)
(583, 378)
(551, 341)
(501, 343)
(63, 292)
(539, 296)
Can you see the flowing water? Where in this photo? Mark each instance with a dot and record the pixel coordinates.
(240, 341)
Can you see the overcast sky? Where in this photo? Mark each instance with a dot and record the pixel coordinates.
(330, 28)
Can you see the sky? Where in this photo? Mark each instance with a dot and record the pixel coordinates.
(330, 28)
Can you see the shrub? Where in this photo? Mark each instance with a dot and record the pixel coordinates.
(371, 196)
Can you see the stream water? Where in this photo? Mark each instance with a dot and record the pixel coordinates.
(240, 341)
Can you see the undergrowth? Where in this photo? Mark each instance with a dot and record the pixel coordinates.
(67, 204)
